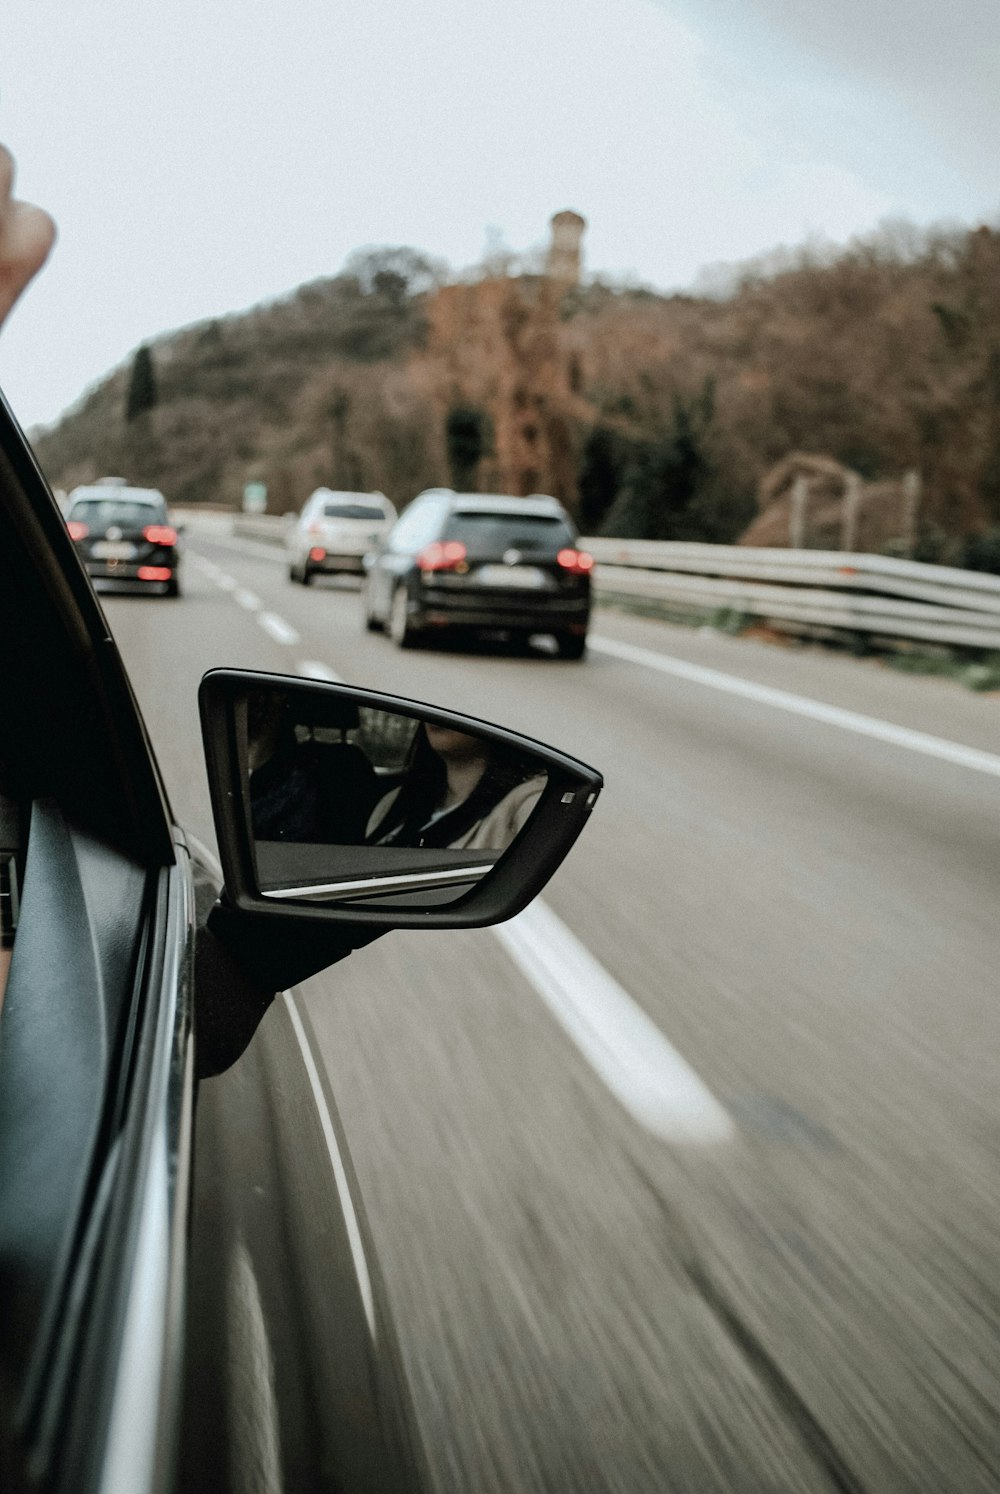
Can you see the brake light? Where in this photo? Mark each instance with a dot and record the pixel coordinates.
(317, 553)
(577, 562)
(442, 555)
(154, 573)
(77, 531)
(160, 534)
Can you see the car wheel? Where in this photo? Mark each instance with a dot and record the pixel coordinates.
(401, 630)
(571, 645)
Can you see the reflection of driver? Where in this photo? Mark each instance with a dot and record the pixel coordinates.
(459, 791)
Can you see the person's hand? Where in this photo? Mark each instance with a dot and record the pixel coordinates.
(26, 236)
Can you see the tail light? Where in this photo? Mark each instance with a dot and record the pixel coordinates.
(160, 534)
(577, 562)
(155, 573)
(77, 531)
(317, 553)
(442, 555)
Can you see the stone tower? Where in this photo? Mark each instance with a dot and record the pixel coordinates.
(563, 261)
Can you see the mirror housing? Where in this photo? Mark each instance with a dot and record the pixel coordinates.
(498, 891)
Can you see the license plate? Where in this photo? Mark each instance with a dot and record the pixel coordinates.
(528, 577)
(113, 550)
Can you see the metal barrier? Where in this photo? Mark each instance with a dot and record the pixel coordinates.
(874, 595)
(268, 528)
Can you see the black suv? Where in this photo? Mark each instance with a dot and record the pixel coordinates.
(493, 564)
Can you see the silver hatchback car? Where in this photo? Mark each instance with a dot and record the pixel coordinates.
(335, 531)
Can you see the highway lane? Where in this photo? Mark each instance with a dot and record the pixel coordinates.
(808, 917)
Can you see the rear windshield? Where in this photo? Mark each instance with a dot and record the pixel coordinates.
(498, 532)
(367, 511)
(99, 513)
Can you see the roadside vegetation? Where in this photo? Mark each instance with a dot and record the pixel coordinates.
(649, 415)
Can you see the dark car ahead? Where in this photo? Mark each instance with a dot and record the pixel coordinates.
(124, 535)
(482, 563)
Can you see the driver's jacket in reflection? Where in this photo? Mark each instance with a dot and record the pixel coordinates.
(474, 825)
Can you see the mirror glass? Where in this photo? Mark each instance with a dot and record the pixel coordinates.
(348, 802)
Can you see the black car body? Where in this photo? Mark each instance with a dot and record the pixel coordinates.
(481, 563)
(174, 1317)
(125, 537)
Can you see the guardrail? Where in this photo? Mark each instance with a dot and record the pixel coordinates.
(269, 528)
(812, 591)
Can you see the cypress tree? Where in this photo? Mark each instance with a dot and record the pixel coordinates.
(142, 394)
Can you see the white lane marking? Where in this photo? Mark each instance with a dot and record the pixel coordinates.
(316, 671)
(228, 583)
(280, 631)
(247, 599)
(802, 705)
(655, 1084)
(337, 1162)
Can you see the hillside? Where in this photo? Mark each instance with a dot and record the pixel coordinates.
(647, 414)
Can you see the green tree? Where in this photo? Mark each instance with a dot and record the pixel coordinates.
(142, 393)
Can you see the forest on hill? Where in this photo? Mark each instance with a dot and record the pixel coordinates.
(647, 414)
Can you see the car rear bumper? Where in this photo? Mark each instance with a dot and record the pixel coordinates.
(337, 565)
(127, 573)
(520, 614)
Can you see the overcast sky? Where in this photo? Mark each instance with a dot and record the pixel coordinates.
(202, 155)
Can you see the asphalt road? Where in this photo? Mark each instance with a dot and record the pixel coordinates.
(757, 1247)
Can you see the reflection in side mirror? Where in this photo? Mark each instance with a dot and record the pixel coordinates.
(363, 807)
(349, 801)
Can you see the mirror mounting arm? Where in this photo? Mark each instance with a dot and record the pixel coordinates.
(269, 955)
(280, 952)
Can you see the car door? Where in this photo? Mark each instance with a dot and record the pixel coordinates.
(96, 1073)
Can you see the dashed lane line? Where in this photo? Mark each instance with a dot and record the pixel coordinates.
(802, 705)
(657, 1087)
(247, 599)
(280, 631)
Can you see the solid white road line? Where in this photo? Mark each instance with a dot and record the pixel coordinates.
(336, 1161)
(802, 705)
(279, 630)
(313, 670)
(247, 599)
(652, 1081)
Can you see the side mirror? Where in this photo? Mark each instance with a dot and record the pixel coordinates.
(342, 807)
